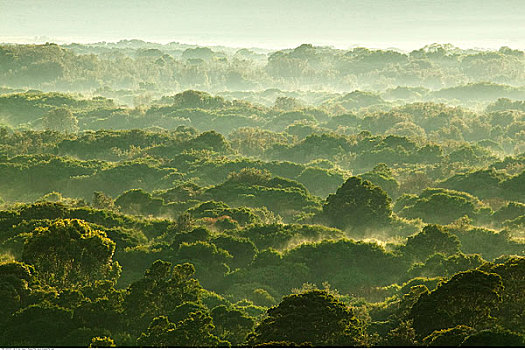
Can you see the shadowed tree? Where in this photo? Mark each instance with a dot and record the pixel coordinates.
(468, 298)
(160, 292)
(194, 331)
(37, 325)
(495, 338)
(448, 338)
(432, 239)
(357, 203)
(15, 278)
(315, 317)
(511, 312)
(232, 324)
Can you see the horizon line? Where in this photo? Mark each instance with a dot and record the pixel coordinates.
(377, 45)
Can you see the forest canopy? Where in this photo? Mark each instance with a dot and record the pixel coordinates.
(173, 195)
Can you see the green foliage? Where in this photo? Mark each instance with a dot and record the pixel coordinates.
(429, 283)
(514, 188)
(441, 265)
(490, 244)
(160, 291)
(432, 239)
(102, 201)
(232, 324)
(508, 212)
(510, 312)
(441, 206)
(60, 119)
(315, 317)
(194, 331)
(282, 196)
(98, 307)
(69, 253)
(15, 279)
(468, 298)
(357, 99)
(357, 204)
(198, 234)
(481, 183)
(225, 191)
(138, 202)
(494, 338)
(194, 99)
(218, 210)
(504, 104)
(346, 264)
(102, 342)
(52, 323)
(249, 177)
(211, 263)
(280, 236)
(402, 336)
(203, 251)
(452, 337)
(319, 181)
(381, 176)
(242, 249)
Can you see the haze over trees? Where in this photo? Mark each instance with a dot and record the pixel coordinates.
(189, 196)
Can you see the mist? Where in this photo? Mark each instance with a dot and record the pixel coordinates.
(240, 173)
(405, 24)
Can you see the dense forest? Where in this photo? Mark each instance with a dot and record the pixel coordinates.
(185, 196)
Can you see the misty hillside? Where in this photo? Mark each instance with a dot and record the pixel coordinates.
(262, 174)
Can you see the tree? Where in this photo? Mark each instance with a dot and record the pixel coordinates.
(199, 234)
(157, 334)
(209, 140)
(232, 324)
(287, 103)
(432, 239)
(195, 331)
(37, 325)
(184, 222)
(441, 265)
(382, 176)
(501, 338)
(402, 336)
(102, 342)
(138, 202)
(347, 264)
(452, 337)
(102, 201)
(511, 311)
(242, 249)
(468, 298)
(250, 177)
(15, 278)
(316, 317)
(192, 332)
(508, 212)
(441, 206)
(68, 254)
(212, 263)
(320, 182)
(159, 292)
(100, 307)
(60, 119)
(357, 203)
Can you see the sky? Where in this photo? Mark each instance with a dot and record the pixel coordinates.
(272, 24)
